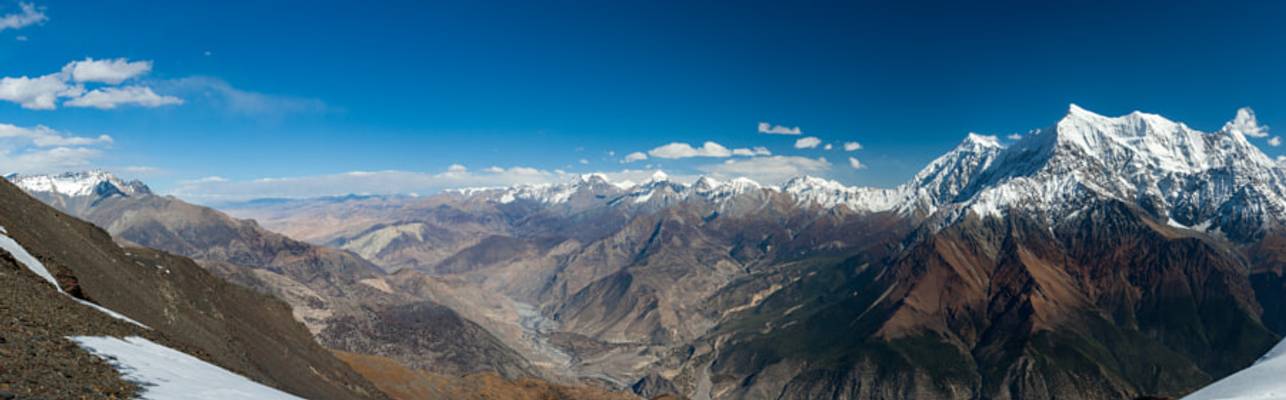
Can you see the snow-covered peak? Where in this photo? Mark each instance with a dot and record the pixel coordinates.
(706, 184)
(811, 190)
(809, 184)
(1164, 166)
(79, 184)
(659, 176)
(947, 178)
(980, 141)
(585, 185)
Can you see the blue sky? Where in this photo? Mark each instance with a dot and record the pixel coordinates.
(291, 98)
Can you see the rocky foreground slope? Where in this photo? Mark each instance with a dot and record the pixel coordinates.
(342, 298)
(61, 277)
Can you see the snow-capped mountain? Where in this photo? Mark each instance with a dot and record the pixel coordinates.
(825, 193)
(96, 183)
(1217, 181)
(587, 184)
(1178, 174)
(945, 179)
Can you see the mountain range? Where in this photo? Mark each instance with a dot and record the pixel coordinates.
(1100, 257)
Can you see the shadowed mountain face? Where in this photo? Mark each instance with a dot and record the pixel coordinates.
(1005, 309)
(183, 307)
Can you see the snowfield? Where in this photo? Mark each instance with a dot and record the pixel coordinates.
(168, 374)
(1264, 380)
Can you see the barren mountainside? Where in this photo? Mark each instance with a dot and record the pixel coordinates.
(164, 298)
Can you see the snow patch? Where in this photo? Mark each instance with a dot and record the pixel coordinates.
(27, 260)
(1261, 381)
(168, 374)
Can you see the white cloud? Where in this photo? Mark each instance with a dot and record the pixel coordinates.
(112, 72)
(684, 150)
(44, 92)
(708, 149)
(635, 156)
(827, 146)
(852, 146)
(807, 142)
(770, 170)
(41, 149)
(1275, 141)
(1014, 136)
(110, 97)
(456, 168)
(770, 129)
(583, 161)
(28, 14)
(755, 151)
(39, 93)
(1246, 124)
(855, 163)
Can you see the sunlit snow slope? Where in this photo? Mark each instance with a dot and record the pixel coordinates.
(168, 374)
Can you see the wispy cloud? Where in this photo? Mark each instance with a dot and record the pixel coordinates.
(41, 149)
(852, 146)
(770, 129)
(222, 95)
(1275, 141)
(28, 14)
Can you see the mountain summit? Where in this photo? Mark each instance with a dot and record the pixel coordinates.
(77, 184)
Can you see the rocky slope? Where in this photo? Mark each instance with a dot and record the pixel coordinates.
(93, 287)
(322, 285)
